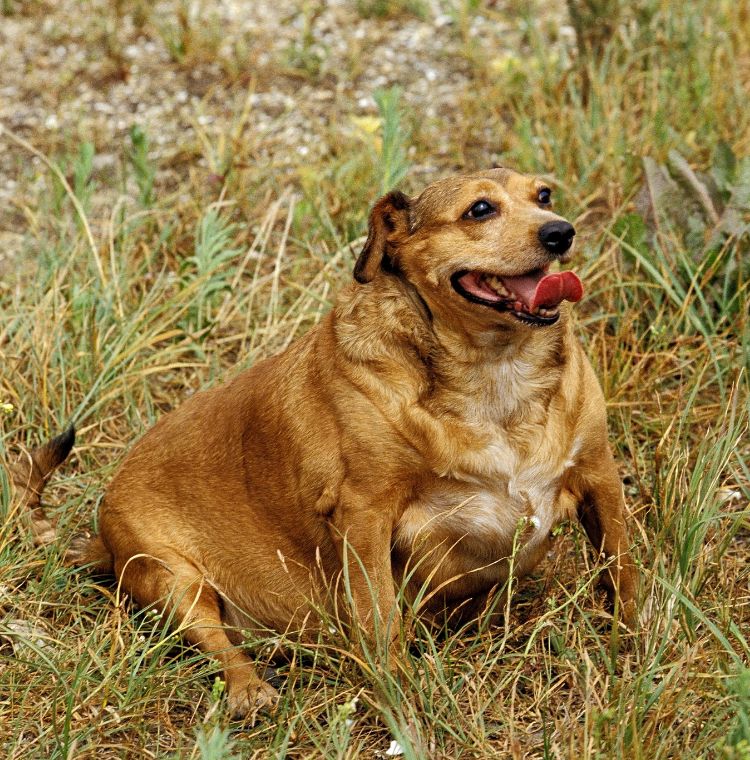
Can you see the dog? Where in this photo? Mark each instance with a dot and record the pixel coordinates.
(429, 433)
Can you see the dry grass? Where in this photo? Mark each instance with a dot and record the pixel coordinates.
(132, 286)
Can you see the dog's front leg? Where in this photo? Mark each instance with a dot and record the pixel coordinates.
(362, 530)
(602, 511)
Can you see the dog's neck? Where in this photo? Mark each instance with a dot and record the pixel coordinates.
(507, 372)
(502, 372)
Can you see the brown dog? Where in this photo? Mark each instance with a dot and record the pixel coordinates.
(441, 420)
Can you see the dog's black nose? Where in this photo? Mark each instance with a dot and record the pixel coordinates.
(557, 236)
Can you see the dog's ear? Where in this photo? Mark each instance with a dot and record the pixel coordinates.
(389, 220)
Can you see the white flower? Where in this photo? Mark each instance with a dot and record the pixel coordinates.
(394, 750)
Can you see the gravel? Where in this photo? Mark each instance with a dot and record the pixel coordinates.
(77, 72)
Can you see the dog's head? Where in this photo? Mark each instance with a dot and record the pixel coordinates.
(480, 244)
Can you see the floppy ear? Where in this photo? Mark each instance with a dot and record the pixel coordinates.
(389, 219)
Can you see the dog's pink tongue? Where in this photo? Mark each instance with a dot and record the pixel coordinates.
(547, 290)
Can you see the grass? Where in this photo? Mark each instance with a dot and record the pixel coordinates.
(119, 309)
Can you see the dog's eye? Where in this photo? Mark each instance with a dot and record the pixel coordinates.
(544, 196)
(480, 210)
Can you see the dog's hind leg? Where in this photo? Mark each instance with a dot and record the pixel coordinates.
(180, 591)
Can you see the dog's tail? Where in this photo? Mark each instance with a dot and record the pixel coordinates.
(29, 475)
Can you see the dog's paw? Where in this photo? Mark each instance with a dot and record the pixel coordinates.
(246, 701)
(88, 549)
(77, 551)
(43, 529)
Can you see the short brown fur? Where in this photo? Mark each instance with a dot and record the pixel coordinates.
(416, 427)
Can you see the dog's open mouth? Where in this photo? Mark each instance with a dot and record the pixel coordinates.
(534, 297)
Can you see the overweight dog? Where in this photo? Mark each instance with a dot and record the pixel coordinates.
(434, 428)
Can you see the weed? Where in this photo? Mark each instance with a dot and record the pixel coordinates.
(392, 150)
(206, 273)
(143, 170)
(306, 55)
(193, 36)
(215, 744)
(375, 160)
(391, 8)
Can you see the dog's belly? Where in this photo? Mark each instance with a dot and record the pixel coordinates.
(461, 539)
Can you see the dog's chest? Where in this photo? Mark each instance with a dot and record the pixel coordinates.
(492, 497)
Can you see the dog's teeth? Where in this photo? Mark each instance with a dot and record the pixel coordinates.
(497, 285)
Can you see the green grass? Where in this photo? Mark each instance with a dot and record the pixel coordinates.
(117, 312)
